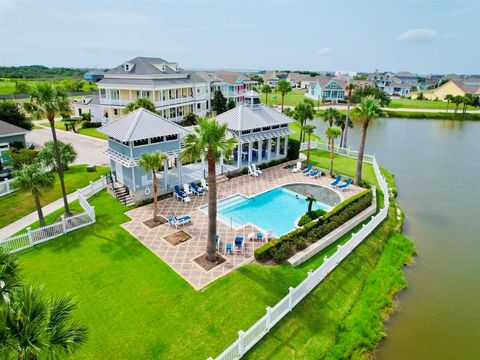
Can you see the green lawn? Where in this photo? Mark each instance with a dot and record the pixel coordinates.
(292, 98)
(20, 203)
(135, 306)
(7, 85)
(87, 131)
(423, 104)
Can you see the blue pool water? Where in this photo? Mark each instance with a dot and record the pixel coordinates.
(275, 210)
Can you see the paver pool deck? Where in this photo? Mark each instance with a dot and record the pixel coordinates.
(180, 257)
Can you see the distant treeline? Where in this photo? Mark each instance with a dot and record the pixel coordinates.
(40, 72)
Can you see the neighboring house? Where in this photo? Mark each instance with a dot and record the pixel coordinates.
(395, 87)
(311, 80)
(9, 135)
(452, 87)
(345, 75)
(300, 80)
(276, 77)
(329, 89)
(361, 84)
(174, 92)
(406, 77)
(82, 106)
(94, 75)
(472, 80)
(261, 132)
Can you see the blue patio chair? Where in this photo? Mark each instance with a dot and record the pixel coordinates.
(307, 170)
(180, 194)
(345, 186)
(314, 173)
(228, 248)
(259, 236)
(238, 244)
(177, 221)
(337, 181)
(196, 190)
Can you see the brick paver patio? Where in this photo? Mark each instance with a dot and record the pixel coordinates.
(180, 257)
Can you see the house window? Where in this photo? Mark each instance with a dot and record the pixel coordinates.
(246, 132)
(171, 137)
(140, 142)
(198, 106)
(284, 125)
(266, 128)
(157, 139)
(275, 127)
(127, 67)
(115, 112)
(257, 130)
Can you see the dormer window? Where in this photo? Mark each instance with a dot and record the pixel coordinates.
(163, 67)
(128, 66)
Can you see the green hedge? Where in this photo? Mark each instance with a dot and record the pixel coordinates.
(305, 219)
(293, 149)
(285, 246)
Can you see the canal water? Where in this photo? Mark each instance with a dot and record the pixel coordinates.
(437, 171)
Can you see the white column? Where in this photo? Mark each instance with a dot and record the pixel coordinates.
(259, 151)
(286, 145)
(165, 170)
(277, 147)
(239, 155)
(130, 95)
(250, 145)
(180, 175)
(269, 149)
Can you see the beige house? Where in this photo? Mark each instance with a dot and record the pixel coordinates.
(453, 87)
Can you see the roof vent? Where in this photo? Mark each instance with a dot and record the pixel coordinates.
(128, 66)
(173, 66)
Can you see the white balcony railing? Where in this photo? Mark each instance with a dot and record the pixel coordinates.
(115, 102)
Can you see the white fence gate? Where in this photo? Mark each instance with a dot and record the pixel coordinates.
(6, 187)
(246, 340)
(36, 236)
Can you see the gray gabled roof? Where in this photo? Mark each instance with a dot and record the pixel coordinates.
(141, 124)
(244, 117)
(7, 129)
(144, 66)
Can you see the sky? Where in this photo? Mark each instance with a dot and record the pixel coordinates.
(422, 36)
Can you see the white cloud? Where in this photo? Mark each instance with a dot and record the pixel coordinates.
(451, 35)
(417, 35)
(324, 51)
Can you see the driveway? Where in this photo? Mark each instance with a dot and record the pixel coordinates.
(89, 149)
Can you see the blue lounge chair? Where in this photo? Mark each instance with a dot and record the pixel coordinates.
(345, 186)
(177, 221)
(238, 244)
(307, 170)
(337, 181)
(259, 236)
(196, 189)
(180, 194)
(314, 173)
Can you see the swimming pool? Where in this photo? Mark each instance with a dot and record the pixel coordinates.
(275, 210)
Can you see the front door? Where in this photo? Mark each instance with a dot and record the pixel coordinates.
(119, 172)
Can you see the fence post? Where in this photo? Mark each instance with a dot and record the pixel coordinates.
(290, 296)
(64, 225)
(29, 233)
(269, 315)
(91, 188)
(241, 347)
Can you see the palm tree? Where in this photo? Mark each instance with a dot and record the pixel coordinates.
(152, 162)
(140, 103)
(457, 100)
(308, 129)
(32, 178)
(9, 276)
(366, 111)
(330, 115)
(47, 155)
(467, 100)
(49, 101)
(350, 87)
(304, 111)
(266, 89)
(210, 139)
(310, 199)
(284, 87)
(341, 122)
(332, 133)
(33, 326)
(448, 97)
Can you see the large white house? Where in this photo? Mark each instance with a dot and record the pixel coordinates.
(174, 91)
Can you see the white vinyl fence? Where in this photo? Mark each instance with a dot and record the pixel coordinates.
(246, 340)
(6, 187)
(338, 150)
(36, 236)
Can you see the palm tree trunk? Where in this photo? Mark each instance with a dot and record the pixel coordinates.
(332, 151)
(341, 136)
(211, 253)
(361, 149)
(51, 120)
(41, 219)
(343, 140)
(308, 150)
(448, 103)
(155, 195)
(282, 101)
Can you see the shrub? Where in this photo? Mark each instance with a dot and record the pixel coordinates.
(293, 149)
(87, 124)
(312, 231)
(87, 117)
(22, 157)
(310, 216)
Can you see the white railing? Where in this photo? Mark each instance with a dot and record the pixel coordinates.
(36, 236)
(6, 187)
(339, 150)
(246, 340)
